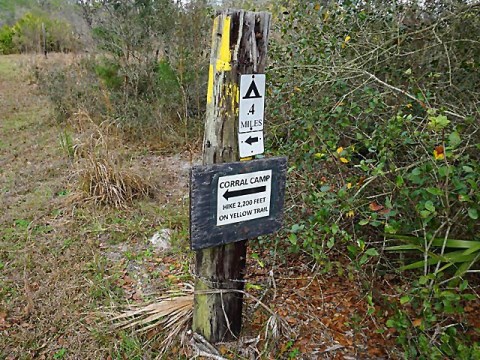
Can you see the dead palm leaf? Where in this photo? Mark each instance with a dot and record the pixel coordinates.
(171, 314)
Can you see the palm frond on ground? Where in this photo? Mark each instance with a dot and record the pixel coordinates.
(172, 314)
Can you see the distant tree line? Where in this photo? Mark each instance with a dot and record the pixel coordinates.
(40, 25)
(37, 33)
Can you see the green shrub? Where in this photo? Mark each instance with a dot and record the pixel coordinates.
(425, 323)
(375, 144)
(73, 87)
(6, 40)
(28, 34)
(108, 72)
(167, 82)
(376, 107)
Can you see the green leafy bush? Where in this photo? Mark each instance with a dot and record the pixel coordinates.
(153, 65)
(28, 34)
(148, 74)
(107, 71)
(425, 322)
(6, 40)
(376, 105)
(376, 146)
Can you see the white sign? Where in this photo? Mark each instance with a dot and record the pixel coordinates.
(250, 143)
(252, 102)
(243, 197)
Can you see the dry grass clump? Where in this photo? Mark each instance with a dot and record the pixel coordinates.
(103, 178)
(104, 182)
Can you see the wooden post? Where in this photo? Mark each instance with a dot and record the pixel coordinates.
(239, 46)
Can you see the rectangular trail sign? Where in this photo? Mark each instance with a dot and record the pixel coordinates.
(251, 107)
(243, 197)
(250, 144)
(236, 201)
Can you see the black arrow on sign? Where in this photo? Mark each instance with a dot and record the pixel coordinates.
(229, 194)
(251, 140)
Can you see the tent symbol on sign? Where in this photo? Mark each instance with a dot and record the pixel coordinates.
(252, 89)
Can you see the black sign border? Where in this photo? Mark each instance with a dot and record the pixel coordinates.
(204, 232)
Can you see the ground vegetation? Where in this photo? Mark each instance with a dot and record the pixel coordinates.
(376, 105)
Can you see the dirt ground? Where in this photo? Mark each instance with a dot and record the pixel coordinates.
(65, 263)
(62, 264)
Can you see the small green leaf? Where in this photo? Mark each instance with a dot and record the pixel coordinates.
(293, 239)
(399, 181)
(297, 228)
(331, 242)
(361, 244)
(404, 299)
(416, 171)
(334, 229)
(389, 229)
(423, 280)
(249, 286)
(429, 206)
(444, 171)
(363, 222)
(454, 139)
(363, 259)
(425, 213)
(391, 323)
(435, 191)
(352, 249)
(473, 213)
(438, 123)
(371, 252)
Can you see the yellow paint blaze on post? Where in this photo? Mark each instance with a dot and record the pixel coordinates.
(224, 55)
(236, 98)
(233, 92)
(229, 97)
(210, 85)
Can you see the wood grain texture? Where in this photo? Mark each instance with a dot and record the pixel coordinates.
(239, 46)
(247, 41)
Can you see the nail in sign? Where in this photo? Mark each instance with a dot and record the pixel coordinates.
(252, 102)
(243, 197)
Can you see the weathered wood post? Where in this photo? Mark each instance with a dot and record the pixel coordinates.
(239, 46)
